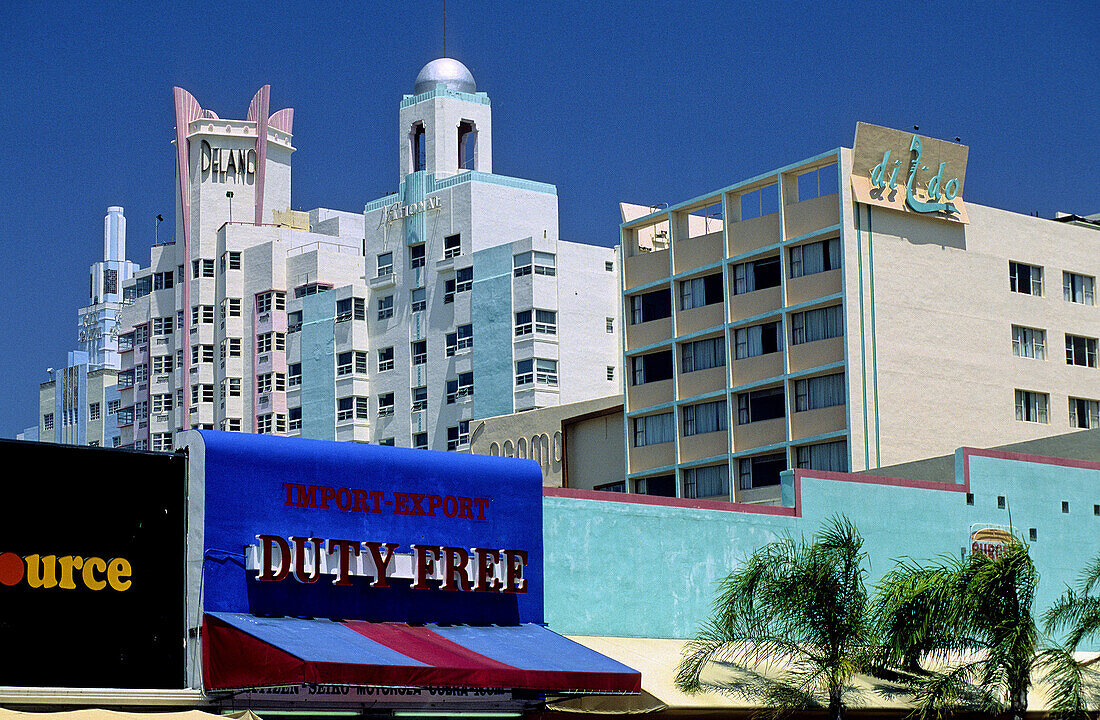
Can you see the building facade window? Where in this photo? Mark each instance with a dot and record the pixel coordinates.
(1084, 413)
(47, 421)
(416, 256)
(461, 339)
(700, 291)
(385, 307)
(760, 471)
(345, 409)
(819, 392)
(420, 398)
(294, 419)
(161, 326)
(756, 340)
(294, 374)
(654, 429)
(452, 246)
(294, 321)
(93, 411)
(385, 359)
(815, 257)
(385, 264)
(756, 275)
(162, 403)
(464, 279)
(162, 442)
(650, 306)
(703, 354)
(539, 263)
(760, 405)
(460, 387)
(458, 436)
(1029, 342)
(759, 202)
(524, 325)
(1079, 288)
(1024, 278)
(420, 441)
(270, 300)
(202, 268)
(546, 322)
(203, 393)
(202, 354)
(1032, 406)
(651, 367)
(266, 342)
(419, 298)
(1080, 351)
(658, 485)
(830, 456)
(203, 314)
(818, 324)
(385, 404)
(419, 351)
(703, 418)
(708, 481)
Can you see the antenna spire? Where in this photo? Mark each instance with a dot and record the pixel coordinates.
(444, 28)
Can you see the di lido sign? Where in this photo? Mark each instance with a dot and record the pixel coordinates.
(909, 173)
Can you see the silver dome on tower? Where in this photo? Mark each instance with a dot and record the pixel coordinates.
(448, 71)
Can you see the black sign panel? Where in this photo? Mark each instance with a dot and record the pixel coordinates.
(91, 567)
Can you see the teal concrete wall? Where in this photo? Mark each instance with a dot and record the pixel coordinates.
(491, 311)
(642, 570)
(318, 367)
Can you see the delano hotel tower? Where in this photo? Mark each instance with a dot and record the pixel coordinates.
(846, 312)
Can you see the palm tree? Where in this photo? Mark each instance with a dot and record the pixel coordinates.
(971, 620)
(1079, 613)
(801, 608)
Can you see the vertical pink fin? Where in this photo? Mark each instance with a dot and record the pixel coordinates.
(258, 113)
(283, 120)
(187, 110)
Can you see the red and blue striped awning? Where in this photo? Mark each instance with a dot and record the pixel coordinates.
(242, 651)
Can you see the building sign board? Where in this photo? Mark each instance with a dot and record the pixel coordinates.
(92, 568)
(399, 210)
(349, 531)
(909, 173)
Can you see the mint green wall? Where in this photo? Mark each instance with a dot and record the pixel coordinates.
(318, 367)
(651, 571)
(491, 311)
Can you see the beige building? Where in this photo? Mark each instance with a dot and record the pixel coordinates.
(577, 445)
(826, 315)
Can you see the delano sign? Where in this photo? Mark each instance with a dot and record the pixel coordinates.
(909, 172)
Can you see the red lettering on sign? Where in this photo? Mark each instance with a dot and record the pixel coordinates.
(381, 562)
(487, 560)
(267, 569)
(426, 556)
(514, 562)
(300, 559)
(345, 549)
(455, 560)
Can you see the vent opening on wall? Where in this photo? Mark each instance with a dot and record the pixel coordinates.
(1000, 502)
(1033, 534)
(1065, 506)
(970, 498)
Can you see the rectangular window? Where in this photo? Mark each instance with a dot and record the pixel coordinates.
(416, 256)
(385, 307)
(294, 419)
(609, 266)
(1026, 279)
(231, 387)
(344, 309)
(540, 263)
(525, 372)
(162, 403)
(705, 417)
(819, 392)
(756, 340)
(385, 359)
(266, 342)
(700, 291)
(360, 362)
(709, 481)
(1084, 413)
(1029, 342)
(759, 202)
(546, 322)
(659, 485)
(759, 405)
(362, 408)
(294, 321)
(816, 183)
(1079, 288)
(815, 257)
(419, 298)
(703, 354)
(546, 372)
(652, 367)
(756, 275)
(385, 264)
(202, 314)
(452, 246)
(464, 279)
(234, 260)
(419, 398)
(1080, 351)
(344, 363)
(760, 471)
(265, 383)
(458, 436)
(830, 456)
(650, 306)
(461, 339)
(201, 394)
(1032, 406)
(420, 441)
(448, 291)
(610, 372)
(232, 347)
(654, 429)
(271, 300)
(162, 442)
(162, 364)
(609, 325)
(202, 268)
(311, 289)
(461, 387)
(162, 325)
(359, 308)
(294, 374)
(93, 411)
(345, 409)
(385, 404)
(524, 326)
(202, 354)
(232, 307)
(387, 442)
(112, 406)
(819, 324)
(419, 350)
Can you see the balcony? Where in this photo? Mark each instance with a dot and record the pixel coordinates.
(699, 319)
(645, 267)
(749, 235)
(701, 382)
(754, 369)
(759, 434)
(652, 456)
(810, 287)
(818, 422)
(696, 252)
(649, 394)
(647, 333)
(810, 216)
(814, 354)
(697, 447)
(757, 302)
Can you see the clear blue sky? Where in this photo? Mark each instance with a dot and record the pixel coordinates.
(609, 101)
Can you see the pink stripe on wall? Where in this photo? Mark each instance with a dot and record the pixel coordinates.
(258, 112)
(187, 110)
